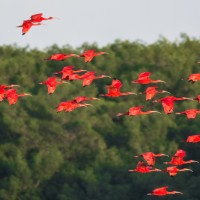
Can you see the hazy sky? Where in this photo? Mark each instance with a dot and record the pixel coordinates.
(100, 21)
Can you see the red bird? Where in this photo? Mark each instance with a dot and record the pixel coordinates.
(137, 111)
(173, 170)
(80, 99)
(152, 91)
(67, 71)
(61, 56)
(177, 159)
(51, 84)
(168, 102)
(90, 54)
(88, 78)
(194, 78)
(144, 79)
(38, 18)
(12, 96)
(193, 138)
(27, 24)
(114, 90)
(143, 168)
(3, 90)
(190, 113)
(69, 106)
(162, 191)
(150, 157)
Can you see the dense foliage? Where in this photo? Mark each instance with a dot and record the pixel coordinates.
(86, 154)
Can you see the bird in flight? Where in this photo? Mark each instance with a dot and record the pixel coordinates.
(61, 56)
(26, 26)
(67, 71)
(143, 168)
(194, 78)
(177, 159)
(193, 138)
(114, 90)
(71, 105)
(80, 99)
(168, 102)
(52, 83)
(190, 113)
(12, 96)
(133, 111)
(162, 191)
(90, 54)
(39, 18)
(144, 78)
(151, 92)
(88, 78)
(173, 170)
(150, 157)
(3, 89)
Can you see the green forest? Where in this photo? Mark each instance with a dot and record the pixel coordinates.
(86, 154)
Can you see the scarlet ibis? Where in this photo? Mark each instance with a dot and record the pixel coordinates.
(173, 170)
(143, 168)
(194, 78)
(168, 102)
(67, 71)
(12, 96)
(177, 159)
(69, 106)
(38, 18)
(152, 91)
(162, 191)
(52, 83)
(190, 113)
(144, 78)
(197, 98)
(114, 90)
(90, 54)
(88, 78)
(3, 90)
(193, 138)
(133, 111)
(80, 99)
(61, 56)
(26, 25)
(150, 157)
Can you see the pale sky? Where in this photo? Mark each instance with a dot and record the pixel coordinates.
(101, 21)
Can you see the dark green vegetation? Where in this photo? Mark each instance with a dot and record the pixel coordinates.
(86, 154)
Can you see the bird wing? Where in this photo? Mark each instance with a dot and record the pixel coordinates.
(87, 81)
(150, 159)
(80, 99)
(135, 110)
(180, 153)
(88, 55)
(144, 75)
(36, 16)
(191, 114)
(116, 83)
(168, 106)
(161, 190)
(113, 91)
(150, 92)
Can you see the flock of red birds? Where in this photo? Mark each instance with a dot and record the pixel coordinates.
(113, 91)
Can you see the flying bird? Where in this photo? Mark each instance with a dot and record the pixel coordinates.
(194, 78)
(151, 92)
(61, 56)
(143, 168)
(80, 99)
(173, 170)
(190, 113)
(114, 90)
(12, 96)
(162, 191)
(150, 157)
(193, 138)
(26, 25)
(133, 111)
(90, 54)
(39, 18)
(168, 102)
(67, 71)
(3, 89)
(52, 83)
(69, 106)
(197, 98)
(144, 78)
(88, 78)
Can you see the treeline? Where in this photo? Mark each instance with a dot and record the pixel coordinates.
(86, 154)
